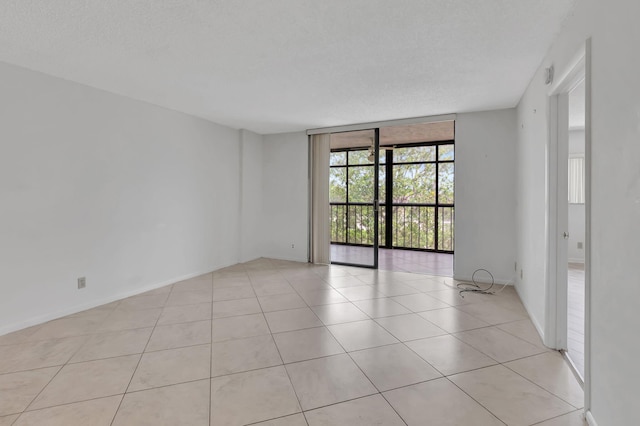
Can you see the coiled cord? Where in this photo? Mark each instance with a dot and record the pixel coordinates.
(474, 286)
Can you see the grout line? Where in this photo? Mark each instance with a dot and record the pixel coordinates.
(115, 412)
(393, 408)
(42, 390)
(493, 358)
(448, 377)
(476, 401)
(363, 373)
(167, 386)
(140, 359)
(350, 400)
(65, 363)
(539, 385)
(249, 370)
(31, 369)
(579, 410)
(69, 403)
(278, 418)
(280, 355)
(340, 402)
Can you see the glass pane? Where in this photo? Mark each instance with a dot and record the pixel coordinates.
(382, 184)
(360, 226)
(359, 157)
(358, 234)
(445, 228)
(383, 156)
(445, 152)
(381, 226)
(414, 154)
(338, 223)
(352, 254)
(413, 227)
(361, 184)
(445, 183)
(338, 158)
(353, 225)
(338, 185)
(414, 183)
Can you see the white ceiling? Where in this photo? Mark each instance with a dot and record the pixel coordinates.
(287, 65)
(396, 135)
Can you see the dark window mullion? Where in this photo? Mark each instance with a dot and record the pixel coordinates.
(389, 198)
(437, 208)
(346, 231)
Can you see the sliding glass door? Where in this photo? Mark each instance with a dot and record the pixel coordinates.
(354, 191)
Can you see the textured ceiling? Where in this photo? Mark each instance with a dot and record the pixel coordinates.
(287, 65)
(395, 135)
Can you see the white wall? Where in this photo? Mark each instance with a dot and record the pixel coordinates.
(576, 142)
(485, 194)
(251, 172)
(285, 189)
(532, 204)
(615, 229)
(576, 211)
(93, 184)
(576, 233)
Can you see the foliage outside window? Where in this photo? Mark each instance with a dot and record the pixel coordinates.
(421, 213)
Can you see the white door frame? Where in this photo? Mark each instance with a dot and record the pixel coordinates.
(556, 290)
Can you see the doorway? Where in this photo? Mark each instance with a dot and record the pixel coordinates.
(569, 212)
(576, 216)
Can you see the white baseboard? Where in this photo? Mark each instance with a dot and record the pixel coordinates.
(289, 259)
(249, 259)
(533, 319)
(5, 329)
(590, 419)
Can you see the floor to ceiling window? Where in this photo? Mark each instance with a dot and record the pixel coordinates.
(419, 198)
(416, 192)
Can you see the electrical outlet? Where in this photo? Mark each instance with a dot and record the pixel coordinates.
(580, 244)
(521, 274)
(82, 282)
(515, 266)
(293, 246)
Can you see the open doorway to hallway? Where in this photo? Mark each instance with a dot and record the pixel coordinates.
(414, 168)
(569, 217)
(576, 217)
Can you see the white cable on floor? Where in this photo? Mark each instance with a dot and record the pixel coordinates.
(474, 287)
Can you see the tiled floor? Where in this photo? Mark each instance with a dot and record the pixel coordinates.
(288, 344)
(419, 262)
